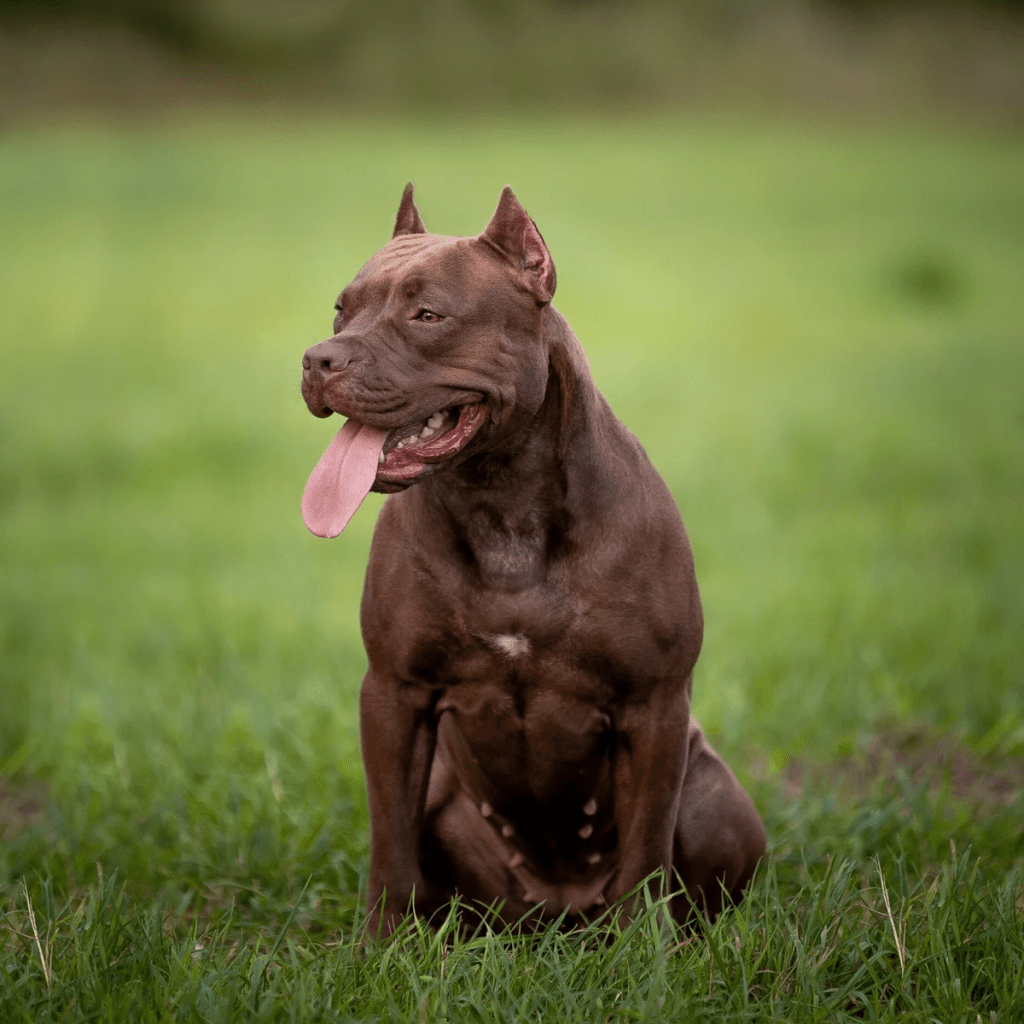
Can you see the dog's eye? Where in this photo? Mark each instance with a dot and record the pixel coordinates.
(426, 316)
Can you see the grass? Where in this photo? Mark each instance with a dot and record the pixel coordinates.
(817, 336)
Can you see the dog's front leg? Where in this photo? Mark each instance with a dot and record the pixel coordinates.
(398, 739)
(649, 765)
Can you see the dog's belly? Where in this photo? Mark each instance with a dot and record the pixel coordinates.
(554, 749)
(530, 728)
(529, 767)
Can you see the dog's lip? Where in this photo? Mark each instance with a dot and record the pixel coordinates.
(409, 433)
(416, 452)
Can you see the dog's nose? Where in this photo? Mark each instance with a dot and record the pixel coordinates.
(326, 357)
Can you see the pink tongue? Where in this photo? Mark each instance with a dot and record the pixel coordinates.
(341, 479)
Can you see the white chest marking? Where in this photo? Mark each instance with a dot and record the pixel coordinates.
(512, 645)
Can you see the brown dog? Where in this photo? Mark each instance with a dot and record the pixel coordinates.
(531, 615)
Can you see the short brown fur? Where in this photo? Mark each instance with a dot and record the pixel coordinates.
(531, 614)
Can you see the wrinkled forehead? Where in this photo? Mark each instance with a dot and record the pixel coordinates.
(425, 258)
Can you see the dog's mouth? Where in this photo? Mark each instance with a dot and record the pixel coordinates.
(362, 458)
(408, 450)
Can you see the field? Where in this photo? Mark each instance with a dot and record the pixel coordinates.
(817, 335)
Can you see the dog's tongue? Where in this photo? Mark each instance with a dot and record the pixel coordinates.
(341, 479)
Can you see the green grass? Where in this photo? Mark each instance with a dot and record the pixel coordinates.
(817, 336)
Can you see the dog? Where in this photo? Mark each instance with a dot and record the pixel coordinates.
(531, 615)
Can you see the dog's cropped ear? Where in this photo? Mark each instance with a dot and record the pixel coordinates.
(408, 221)
(514, 235)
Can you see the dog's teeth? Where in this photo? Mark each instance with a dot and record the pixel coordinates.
(507, 831)
(586, 832)
(436, 420)
(380, 458)
(427, 432)
(594, 858)
(590, 807)
(515, 860)
(486, 810)
(599, 900)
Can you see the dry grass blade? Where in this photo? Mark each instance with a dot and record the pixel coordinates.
(897, 937)
(45, 957)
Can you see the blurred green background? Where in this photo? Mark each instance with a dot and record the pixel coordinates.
(789, 237)
(876, 56)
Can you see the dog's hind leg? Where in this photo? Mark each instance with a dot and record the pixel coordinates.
(719, 835)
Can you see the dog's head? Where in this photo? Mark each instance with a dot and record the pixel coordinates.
(438, 345)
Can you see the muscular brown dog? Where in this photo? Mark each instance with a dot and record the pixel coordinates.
(531, 615)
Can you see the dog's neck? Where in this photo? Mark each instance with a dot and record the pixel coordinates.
(514, 510)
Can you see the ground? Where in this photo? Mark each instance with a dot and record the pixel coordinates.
(816, 334)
